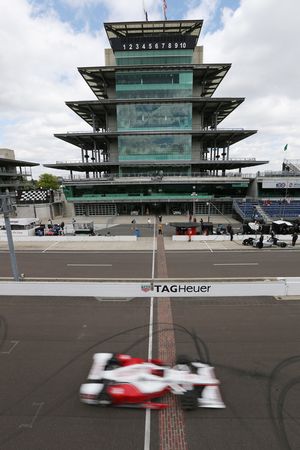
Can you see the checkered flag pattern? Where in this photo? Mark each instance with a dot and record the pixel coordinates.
(34, 196)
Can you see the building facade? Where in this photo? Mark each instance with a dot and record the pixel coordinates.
(14, 174)
(156, 143)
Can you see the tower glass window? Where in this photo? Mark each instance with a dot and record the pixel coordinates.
(150, 57)
(155, 147)
(152, 116)
(153, 84)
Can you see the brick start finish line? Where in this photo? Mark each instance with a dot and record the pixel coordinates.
(172, 435)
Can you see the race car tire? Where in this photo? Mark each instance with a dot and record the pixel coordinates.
(283, 244)
(183, 359)
(105, 399)
(189, 400)
(245, 242)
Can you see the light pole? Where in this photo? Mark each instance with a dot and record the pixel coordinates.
(208, 212)
(6, 209)
(194, 194)
(285, 198)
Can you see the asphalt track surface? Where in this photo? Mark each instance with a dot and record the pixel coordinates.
(47, 346)
(181, 264)
(49, 343)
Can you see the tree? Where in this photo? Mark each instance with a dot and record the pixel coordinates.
(48, 181)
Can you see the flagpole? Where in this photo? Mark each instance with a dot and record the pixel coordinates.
(145, 11)
(164, 5)
(286, 186)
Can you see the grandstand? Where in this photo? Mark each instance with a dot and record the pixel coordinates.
(267, 210)
(291, 165)
(278, 209)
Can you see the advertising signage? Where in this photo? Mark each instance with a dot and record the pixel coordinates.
(281, 184)
(147, 43)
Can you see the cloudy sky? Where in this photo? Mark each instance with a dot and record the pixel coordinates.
(42, 42)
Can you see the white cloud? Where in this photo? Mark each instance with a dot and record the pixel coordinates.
(260, 40)
(121, 9)
(205, 10)
(39, 56)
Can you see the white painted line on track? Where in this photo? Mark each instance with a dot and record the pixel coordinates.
(210, 249)
(106, 299)
(14, 343)
(89, 265)
(236, 264)
(50, 246)
(150, 344)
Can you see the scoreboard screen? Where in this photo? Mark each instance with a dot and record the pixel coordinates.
(165, 42)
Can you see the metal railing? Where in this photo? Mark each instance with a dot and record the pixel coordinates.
(293, 161)
(72, 161)
(76, 161)
(278, 174)
(196, 128)
(151, 177)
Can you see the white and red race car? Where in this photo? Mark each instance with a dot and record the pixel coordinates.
(121, 380)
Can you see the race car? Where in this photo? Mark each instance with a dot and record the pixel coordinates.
(267, 243)
(122, 380)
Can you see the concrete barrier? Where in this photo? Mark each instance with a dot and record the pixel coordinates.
(224, 237)
(280, 287)
(77, 238)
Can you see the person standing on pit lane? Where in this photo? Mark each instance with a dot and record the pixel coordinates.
(260, 241)
(294, 238)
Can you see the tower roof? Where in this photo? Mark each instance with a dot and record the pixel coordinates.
(97, 110)
(209, 75)
(212, 138)
(156, 35)
(153, 28)
(16, 163)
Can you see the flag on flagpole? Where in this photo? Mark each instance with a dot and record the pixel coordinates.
(285, 147)
(165, 9)
(145, 12)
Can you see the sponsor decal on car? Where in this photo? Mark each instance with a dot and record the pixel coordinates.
(117, 390)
